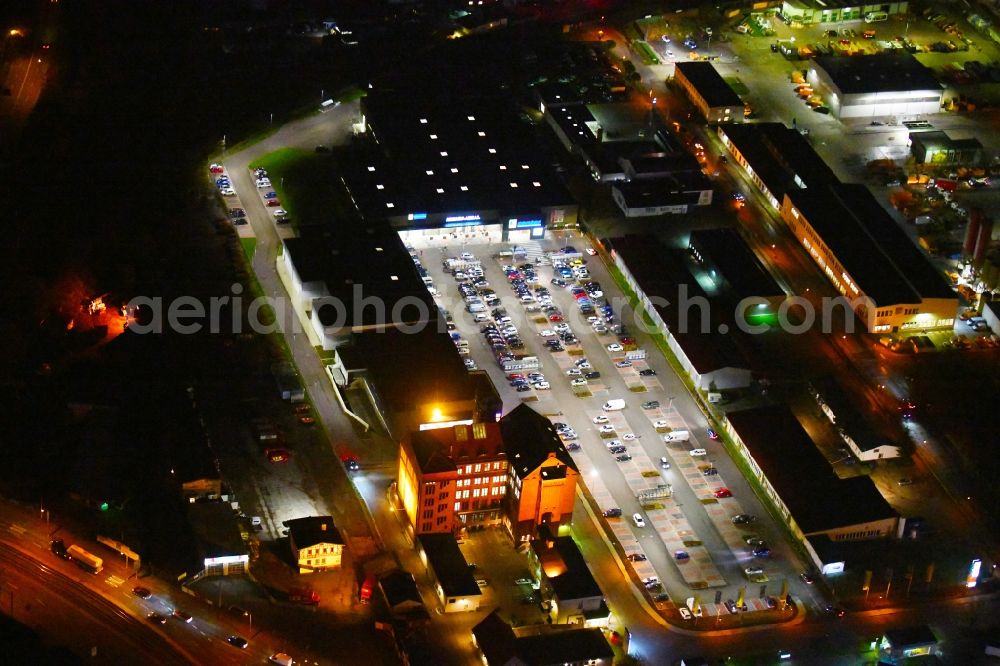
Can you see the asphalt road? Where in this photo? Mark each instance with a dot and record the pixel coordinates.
(73, 615)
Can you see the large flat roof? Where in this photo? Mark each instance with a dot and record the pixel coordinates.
(369, 262)
(437, 155)
(849, 417)
(867, 241)
(709, 83)
(660, 272)
(816, 497)
(449, 565)
(781, 157)
(564, 567)
(735, 261)
(882, 72)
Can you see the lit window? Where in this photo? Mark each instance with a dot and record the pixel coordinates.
(423, 121)
(371, 168)
(454, 169)
(394, 278)
(503, 167)
(493, 151)
(380, 187)
(536, 183)
(524, 166)
(482, 133)
(464, 188)
(444, 153)
(440, 190)
(390, 205)
(434, 137)
(513, 184)
(471, 117)
(429, 172)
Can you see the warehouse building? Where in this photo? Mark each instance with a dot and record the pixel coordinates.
(809, 496)
(837, 11)
(776, 158)
(870, 86)
(463, 168)
(888, 281)
(699, 330)
(940, 149)
(708, 91)
(732, 267)
(864, 441)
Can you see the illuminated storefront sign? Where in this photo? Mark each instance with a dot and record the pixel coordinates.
(531, 223)
(462, 218)
(416, 216)
(973, 578)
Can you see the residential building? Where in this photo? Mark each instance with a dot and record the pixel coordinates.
(401, 595)
(542, 476)
(714, 99)
(871, 86)
(449, 573)
(454, 477)
(316, 543)
(888, 282)
(500, 645)
(566, 582)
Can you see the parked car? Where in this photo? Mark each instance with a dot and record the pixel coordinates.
(681, 555)
(723, 492)
(698, 452)
(612, 513)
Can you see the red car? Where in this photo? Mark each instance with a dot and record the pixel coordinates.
(723, 492)
(273, 202)
(626, 340)
(216, 168)
(277, 455)
(555, 316)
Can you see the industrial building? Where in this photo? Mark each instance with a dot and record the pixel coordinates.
(649, 171)
(777, 159)
(673, 298)
(871, 86)
(887, 280)
(500, 645)
(455, 477)
(565, 581)
(864, 440)
(939, 149)
(455, 168)
(736, 273)
(542, 474)
(839, 11)
(796, 476)
(449, 573)
(708, 91)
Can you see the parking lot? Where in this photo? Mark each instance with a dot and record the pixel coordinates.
(575, 360)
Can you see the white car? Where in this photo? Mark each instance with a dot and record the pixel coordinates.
(547, 333)
(579, 381)
(685, 613)
(561, 327)
(597, 293)
(263, 182)
(600, 419)
(615, 347)
(638, 520)
(629, 437)
(584, 365)
(280, 212)
(612, 442)
(623, 364)
(606, 429)
(227, 192)
(698, 452)
(660, 424)
(574, 372)
(541, 386)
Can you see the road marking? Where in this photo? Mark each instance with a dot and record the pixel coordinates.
(115, 581)
(17, 529)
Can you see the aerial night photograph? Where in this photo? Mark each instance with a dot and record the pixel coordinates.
(500, 332)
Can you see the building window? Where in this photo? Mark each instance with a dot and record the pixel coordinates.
(429, 501)
(441, 520)
(428, 514)
(479, 467)
(426, 527)
(479, 430)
